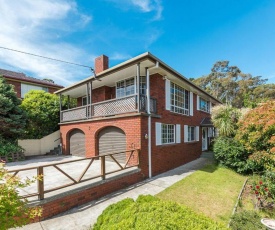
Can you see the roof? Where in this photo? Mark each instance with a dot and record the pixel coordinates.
(206, 122)
(23, 77)
(134, 60)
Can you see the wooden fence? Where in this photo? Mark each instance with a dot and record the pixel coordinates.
(41, 189)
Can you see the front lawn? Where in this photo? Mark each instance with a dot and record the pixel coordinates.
(212, 191)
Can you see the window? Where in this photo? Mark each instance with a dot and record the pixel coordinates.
(25, 88)
(179, 99)
(142, 85)
(125, 87)
(191, 133)
(204, 105)
(167, 134)
(84, 100)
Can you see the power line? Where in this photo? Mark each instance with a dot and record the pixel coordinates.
(53, 59)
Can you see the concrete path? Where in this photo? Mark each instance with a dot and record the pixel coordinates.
(83, 217)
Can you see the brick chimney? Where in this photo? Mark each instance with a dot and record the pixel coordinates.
(101, 63)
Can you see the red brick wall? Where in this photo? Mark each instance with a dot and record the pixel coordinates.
(51, 90)
(130, 126)
(164, 157)
(101, 63)
(67, 202)
(100, 94)
(17, 87)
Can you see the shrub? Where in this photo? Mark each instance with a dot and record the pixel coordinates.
(231, 153)
(264, 189)
(13, 210)
(246, 220)
(257, 133)
(225, 117)
(152, 213)
(8, 146)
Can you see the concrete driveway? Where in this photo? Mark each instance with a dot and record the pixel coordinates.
(54, 178)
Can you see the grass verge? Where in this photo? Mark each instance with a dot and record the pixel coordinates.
(212, 191)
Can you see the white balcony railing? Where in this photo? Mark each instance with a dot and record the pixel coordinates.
(107, 108)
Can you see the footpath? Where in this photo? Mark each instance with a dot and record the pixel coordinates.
(84, 216)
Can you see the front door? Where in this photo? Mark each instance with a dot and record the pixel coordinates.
(204, 139)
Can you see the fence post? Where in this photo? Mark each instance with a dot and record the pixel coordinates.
(103, 167)
(40, 183)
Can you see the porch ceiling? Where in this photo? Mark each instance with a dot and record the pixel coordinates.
(110, 79)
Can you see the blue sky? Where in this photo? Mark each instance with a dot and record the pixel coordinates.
(190, 36)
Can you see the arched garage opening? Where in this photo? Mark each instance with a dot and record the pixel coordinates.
(112, 140)
(77, 143)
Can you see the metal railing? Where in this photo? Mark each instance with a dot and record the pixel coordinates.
(42, 189)
(108, 108)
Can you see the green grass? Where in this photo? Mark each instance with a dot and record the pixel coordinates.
(212, 191)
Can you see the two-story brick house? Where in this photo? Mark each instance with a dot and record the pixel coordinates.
(23, 84)
(141, 104)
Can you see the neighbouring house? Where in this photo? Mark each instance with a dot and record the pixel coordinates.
(142, 104)
(23, 84)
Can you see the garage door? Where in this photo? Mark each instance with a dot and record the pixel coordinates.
(77, 143)
(112, 140)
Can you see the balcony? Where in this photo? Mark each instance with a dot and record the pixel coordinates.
(107, 108)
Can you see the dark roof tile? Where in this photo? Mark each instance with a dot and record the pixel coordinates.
(24, 77)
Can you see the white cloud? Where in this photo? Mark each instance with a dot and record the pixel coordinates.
(120, 56)
(34, 27)
(144, 6)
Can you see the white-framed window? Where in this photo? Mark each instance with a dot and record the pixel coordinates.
(84, 100)
(167, 133)
(25, 88)
(142, 85)
(128, 86)
(191, 133)
(179, 99)
(125, 87)
(204, 105)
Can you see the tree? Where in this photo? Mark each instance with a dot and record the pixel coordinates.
(257, 134)
(14, 211)
(42, 109)
(224, 118)
(230, 85)
(49, 80)
(12, 117)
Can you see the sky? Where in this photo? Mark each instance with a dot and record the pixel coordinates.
(189, 36)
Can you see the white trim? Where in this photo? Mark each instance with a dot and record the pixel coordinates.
(197, 133)
(168, 94)
(210, 107)
(128, 78)
(198, 102)
(185, 133)
(158, 133)
(178, 131)
(191, 106)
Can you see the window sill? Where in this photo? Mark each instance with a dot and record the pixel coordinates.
(204, 111)
(179, 114)
(191, 142)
